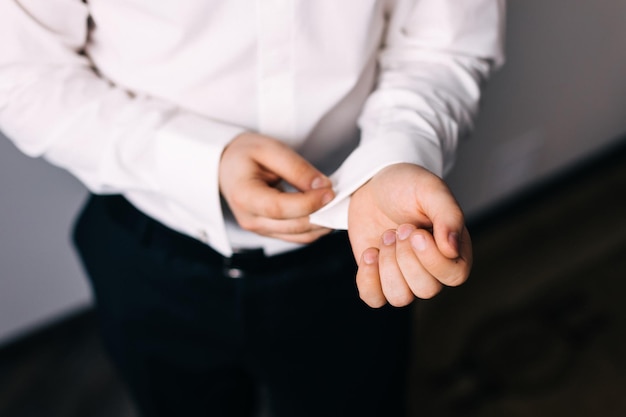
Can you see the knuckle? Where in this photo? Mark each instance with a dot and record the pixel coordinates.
(303, 234)
(299, 226)
(237, 200)
(303, 204)
(268, 206)
(456, 278)
(311, 203)
(401, 300)
(271, 209)
(249, 223)
(428, 292)
(373, 301)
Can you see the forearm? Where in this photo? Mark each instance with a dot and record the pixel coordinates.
(54, 105)
(427, 96)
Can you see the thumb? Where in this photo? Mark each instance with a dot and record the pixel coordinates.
(448, 223)
(448, 232)
(291, 167)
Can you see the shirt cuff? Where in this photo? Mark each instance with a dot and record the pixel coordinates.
(368, 159)
(189, 148)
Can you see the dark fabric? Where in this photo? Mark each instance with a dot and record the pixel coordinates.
(191, 341)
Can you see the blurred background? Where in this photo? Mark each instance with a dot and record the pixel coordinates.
(538, 329)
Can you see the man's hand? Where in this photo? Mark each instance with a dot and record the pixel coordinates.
(252, 170)
(408, 236)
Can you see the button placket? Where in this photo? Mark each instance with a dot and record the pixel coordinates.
(275, 70)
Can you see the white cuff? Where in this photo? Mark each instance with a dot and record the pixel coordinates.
(189, 149)
(368, 159)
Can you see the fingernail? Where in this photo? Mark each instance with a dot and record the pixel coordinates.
(326, 198)
(453, 238)
(418, 242)
(389, 237)
(320, 182)
(370, 257)
(404, 231)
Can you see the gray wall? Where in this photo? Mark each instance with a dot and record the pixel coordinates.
(560, 98)
(40, 278)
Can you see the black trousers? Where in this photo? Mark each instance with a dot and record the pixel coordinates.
(190, 340)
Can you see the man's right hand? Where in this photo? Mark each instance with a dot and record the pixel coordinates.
(251, 171)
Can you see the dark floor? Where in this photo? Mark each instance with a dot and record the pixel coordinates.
(538, 330)
(540, 327)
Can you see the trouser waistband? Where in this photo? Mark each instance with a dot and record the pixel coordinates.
(240, 264)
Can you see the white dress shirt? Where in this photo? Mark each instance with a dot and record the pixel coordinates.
(140, 97)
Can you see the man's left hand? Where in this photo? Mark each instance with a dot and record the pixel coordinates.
(408, 236)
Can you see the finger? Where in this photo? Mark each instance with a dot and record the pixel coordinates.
(295, 231)
(393, 284)
(368, 280)
(419, 280)
(268, 226)
(303, 238)
(280, 159)
(450, 272)
(262, 200)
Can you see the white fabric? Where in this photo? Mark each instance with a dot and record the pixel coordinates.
(140, 97)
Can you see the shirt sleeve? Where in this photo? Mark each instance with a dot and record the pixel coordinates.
(54, 104)
(432, 68)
